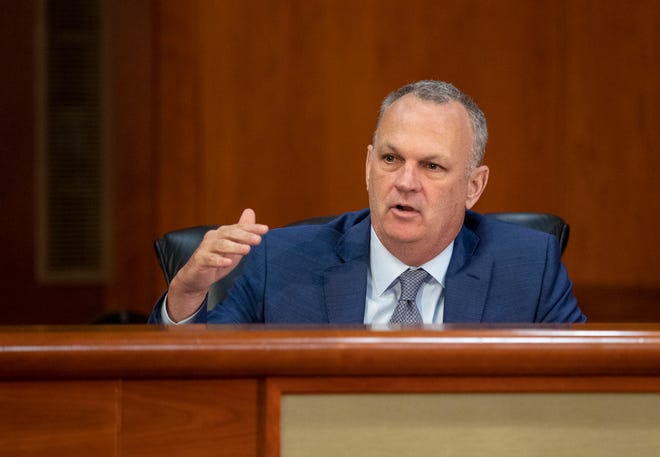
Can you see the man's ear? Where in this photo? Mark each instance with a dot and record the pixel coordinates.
(367, 165)
(476, 185)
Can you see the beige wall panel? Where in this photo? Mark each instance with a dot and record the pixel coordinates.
(471, 425)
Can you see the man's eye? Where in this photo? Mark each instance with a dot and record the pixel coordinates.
(388, 158)
(432, 166)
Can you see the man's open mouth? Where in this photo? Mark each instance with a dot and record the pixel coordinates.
(405, 208)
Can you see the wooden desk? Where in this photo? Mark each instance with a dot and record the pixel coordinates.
(216, 390)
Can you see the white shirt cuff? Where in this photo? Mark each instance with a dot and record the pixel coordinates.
(168, 320)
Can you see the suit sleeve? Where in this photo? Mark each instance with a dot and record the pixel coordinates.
(557, 302)
(156, 312)
(244, 303)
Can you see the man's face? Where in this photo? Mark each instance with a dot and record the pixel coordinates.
(417, 177)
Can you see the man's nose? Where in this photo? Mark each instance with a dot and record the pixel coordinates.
(407, 179)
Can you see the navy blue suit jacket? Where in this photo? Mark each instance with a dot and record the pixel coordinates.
(499, 272)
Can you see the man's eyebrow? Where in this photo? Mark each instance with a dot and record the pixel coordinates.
(391, 148)
(433, 157)
(430, 157)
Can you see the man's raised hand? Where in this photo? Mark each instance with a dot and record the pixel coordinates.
(217, 255)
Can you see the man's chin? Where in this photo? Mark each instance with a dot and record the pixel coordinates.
(403, 234)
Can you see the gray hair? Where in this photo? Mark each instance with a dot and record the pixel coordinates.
(443, 92)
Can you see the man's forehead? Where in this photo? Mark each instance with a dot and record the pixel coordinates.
(411, 110)
(413, 102)
(432, 153)
(422, 114)
(419, 125)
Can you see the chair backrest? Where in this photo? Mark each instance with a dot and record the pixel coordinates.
(175, 248)
(548, 223)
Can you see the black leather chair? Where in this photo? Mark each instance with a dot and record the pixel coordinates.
(120, 316)
(175, 248)
(544, 222)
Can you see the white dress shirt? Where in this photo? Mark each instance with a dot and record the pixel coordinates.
(383, 287)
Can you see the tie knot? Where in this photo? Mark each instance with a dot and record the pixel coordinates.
(411, 281)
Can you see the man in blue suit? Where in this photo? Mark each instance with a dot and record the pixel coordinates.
(417, 255)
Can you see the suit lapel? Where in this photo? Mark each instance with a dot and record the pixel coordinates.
(467, 281)
(466, 284)
(345, 284)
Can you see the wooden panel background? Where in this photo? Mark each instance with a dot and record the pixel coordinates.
(221, 105)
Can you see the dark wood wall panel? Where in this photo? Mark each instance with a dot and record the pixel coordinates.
(610, 151)
(179, 143)
(136, 278)
(221, 105)
(286, 97)
(24, 299)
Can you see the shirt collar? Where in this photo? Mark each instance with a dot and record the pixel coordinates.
(385, 268)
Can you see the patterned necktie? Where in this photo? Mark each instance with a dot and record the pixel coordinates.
(406, 311)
